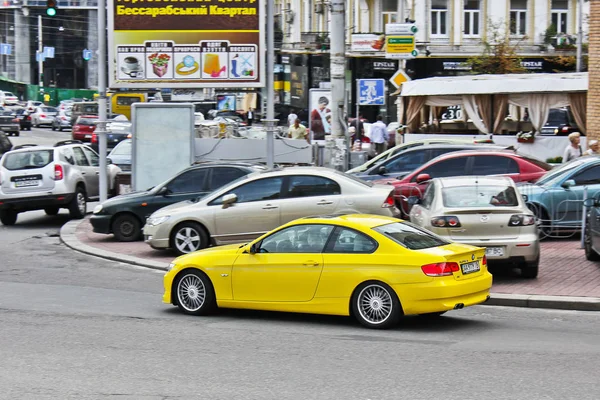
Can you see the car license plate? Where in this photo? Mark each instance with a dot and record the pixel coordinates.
(470, 267)
(27, 183)
(88, 136)
(494, 251)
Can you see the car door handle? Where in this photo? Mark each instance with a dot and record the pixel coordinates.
(311, 264)
(97, 172)
(269, 207)
(82, 173)
(324, 203)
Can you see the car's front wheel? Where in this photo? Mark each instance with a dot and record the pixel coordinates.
(78, 206)
(126, 228)
(375, 305)
(194, 293)
(8, 217)
(188, 237)
(590, 253)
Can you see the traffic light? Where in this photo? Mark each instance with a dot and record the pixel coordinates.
(51, 8)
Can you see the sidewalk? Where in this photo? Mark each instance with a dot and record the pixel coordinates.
(566, 280)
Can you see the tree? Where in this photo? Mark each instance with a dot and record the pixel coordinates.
(499, 54)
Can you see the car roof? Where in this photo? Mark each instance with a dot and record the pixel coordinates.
(462, 181)
(364, 220)
(487, 152)
(226, 164)
(295, 170)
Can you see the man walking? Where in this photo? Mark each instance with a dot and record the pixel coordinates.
(250, 116)
(379, 135)
(292, 117)
(298, 131)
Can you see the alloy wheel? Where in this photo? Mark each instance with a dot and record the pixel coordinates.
(375, 304)
(187, 240)
(81, 202)
(191, 292)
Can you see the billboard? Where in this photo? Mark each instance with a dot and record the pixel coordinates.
(212, 43)
(319, 118)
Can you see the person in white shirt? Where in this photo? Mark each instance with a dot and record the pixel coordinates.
(593, 148)
(379, 135)
(292, 118)
(573, 150)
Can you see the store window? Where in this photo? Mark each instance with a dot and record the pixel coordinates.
(439, 18)
(560, 15)
(518, 17)
(472, 18)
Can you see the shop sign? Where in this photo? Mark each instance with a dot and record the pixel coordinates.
(367, 42)
(385, 65)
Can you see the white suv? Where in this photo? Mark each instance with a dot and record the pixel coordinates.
(49, 178)
(8, 99)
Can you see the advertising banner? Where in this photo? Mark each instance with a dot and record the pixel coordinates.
(209, 43)
(319, 119)
(367, 42)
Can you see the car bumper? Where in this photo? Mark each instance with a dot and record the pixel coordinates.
(45, 121)
(10, 128)
(157, 236)
(35, 203)
(443, 294)
(524, 248)
(167, 285)
(101, 223)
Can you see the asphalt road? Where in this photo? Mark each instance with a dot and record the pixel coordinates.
(40, 136)
(78, 327)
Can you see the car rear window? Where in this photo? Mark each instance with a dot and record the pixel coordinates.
(49, 109)
(28, 159)
(480, 196)
(122, 149)
(410, 236)
(545, 166)
(86, 121)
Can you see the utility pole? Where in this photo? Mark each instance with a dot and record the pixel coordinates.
(270, 121)
(101, 125)
(400, 16)
(579, 33)
(339, 157)
(40, 54)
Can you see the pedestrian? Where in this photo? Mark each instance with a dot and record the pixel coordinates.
(298, 131)
(593, 148)
(379, 135)
(360, 127)
(573, 150)
(249, 116)
(292, 117)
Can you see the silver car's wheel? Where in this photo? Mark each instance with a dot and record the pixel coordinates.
(188, 237)
(375, 305)
(78, 206)
(194, 293)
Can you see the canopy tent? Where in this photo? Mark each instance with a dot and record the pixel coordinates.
(484, 98)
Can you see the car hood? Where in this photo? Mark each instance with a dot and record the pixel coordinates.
(176, 207)
(125, 198)
(192, 258)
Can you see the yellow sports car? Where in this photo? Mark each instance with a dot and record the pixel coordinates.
(372, 267)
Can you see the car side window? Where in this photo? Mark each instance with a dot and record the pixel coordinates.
(188, 182)
(259, 190)
(297, 239)
(346, 240)
(308, 186)
(80, 158)
(590, 176)
(428, 196)
(94, 159)
(494, 165)
(222, 176)
(406, 162)
(452, 167)
(67, 155)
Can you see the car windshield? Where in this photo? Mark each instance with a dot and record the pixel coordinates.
(122, 149)
(49, 109)
(353, 178)
(410, 236)
(28, 159)
(559, 171)
(480, 196)
(7, 94)
(557, 117)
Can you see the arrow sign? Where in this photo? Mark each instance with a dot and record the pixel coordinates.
(399, 78)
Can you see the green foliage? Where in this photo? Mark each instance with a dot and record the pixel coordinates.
(549, 34)
(499, 54)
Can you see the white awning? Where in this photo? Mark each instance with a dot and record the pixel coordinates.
(497, 84)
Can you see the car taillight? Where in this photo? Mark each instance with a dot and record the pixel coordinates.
(76, 128)
(389, 201)
(521, 220)
(440, 269)
(565, 129)
(58, 172)
(42, 116)
(15, 120)
(445, 222)
(63, 118)
(365, 139)
(94, 138)
(484, 261)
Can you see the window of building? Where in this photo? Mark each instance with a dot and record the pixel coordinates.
(389, 10)
(560, 15)
(518, 17)
(439, 18)
(472, 17)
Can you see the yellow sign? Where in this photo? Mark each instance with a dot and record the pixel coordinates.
(399, 78)
(400, 44)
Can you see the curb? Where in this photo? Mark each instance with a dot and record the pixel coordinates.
(69, 238)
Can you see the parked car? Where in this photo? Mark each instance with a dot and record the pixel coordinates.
(251, 206)
(8, 99)
(405, 146)
(482, 211)
(84, 128)
(557, 198)
(49, 178)
(375, 268)
(5, 143)
(62, 121)
(412, 158)
(9, 123)
(24, 117)
(463, 163)
(32, 105)
(43, 116)
(591, 233)
(125, 215)
(121, 155)
(560, 123)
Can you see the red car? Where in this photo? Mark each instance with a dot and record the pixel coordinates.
(460, 163)
(84, 127)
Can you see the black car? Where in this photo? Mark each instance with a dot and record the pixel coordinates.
(125, 215)
(9, 123)
(23, 115)
(560, 123)
(5, 143)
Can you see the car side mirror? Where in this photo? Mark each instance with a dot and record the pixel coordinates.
(567, 184)
(229, 199)
(109, 161)
(412, 200)
(163, 191)
(525, 198)
(253, 248)
(382, 170)
(591, 202)
(421, 178)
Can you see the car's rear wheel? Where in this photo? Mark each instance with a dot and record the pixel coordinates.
(375, 305)
(126, 228)
(188, 237)
(530, 269)
(8, 217)
(590, 253)
(194, 293)
(53, 127)
(78, 206)
(51, 210)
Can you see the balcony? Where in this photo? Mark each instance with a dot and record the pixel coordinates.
(315, 40)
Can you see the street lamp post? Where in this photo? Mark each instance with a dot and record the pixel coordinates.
(101, 126)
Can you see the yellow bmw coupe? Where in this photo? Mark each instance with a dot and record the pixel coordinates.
(372, 267)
